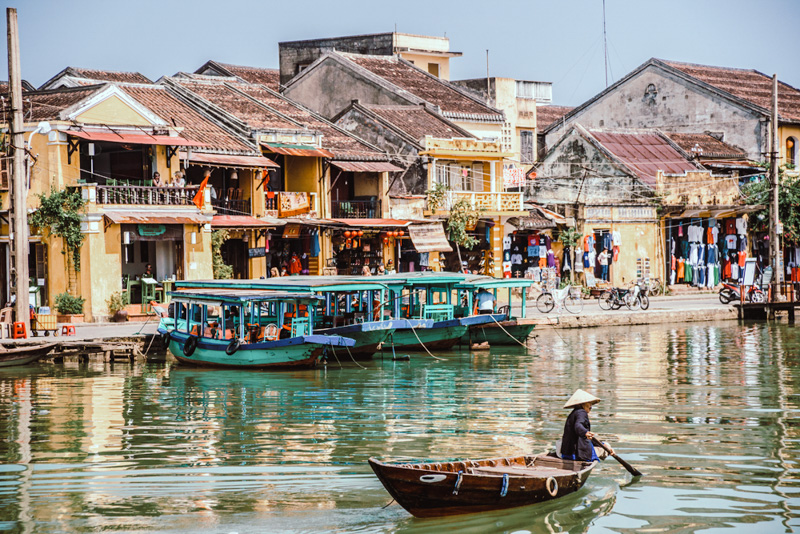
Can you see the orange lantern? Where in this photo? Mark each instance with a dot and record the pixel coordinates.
(385, 240)
(347, 234)
(402, 233)
(360, 233)
(392, 234)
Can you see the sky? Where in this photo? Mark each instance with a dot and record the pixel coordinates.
(560, 41)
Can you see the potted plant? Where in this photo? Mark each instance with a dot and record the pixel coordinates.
(116, 307)
(69, 308)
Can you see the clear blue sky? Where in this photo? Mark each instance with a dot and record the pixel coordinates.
(550, 40)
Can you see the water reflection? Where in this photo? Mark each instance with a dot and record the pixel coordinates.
(708, 412)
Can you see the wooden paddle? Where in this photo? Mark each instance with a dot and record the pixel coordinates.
(632, 470)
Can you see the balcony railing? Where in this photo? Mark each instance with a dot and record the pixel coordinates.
(232, 207)
(498, 201)
(356, 209)
(143, 195)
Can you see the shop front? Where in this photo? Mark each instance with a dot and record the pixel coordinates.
(476, 260)
(294, 249)
(246, 246)
(368, 243)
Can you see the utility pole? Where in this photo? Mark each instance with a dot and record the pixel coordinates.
(605, 43)
(774, 236)
(19, 223)
(488, 87)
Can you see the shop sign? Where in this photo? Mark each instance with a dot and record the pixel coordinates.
(292, 203)
(429, 238)
(598, 213)
(636, 213)
(258, 252)
(291, 231)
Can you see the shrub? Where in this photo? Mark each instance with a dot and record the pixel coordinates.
(115, 302)
(67, 304)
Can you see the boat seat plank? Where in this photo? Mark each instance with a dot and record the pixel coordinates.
(541, 472)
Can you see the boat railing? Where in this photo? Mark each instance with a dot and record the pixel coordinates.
(437, 312)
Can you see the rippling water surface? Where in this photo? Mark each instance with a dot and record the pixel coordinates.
(709, 412)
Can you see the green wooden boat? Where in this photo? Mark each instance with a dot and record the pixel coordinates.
(509, 330)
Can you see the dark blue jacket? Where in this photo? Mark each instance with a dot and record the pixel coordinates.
(574, 444)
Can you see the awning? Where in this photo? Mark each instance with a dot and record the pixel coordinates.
(155, 217)
(366, 166)
(231, 161)
(134, 138)
(429, 237)
(374, 223)
(243, 222)
(717, 212)
(297, 150)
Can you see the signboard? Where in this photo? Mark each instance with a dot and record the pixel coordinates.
(291, 231)
(429, 238)
(292, 203)
(750, 269)
(513, 176)
(258, 252)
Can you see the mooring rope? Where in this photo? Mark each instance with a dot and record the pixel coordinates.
(351, 357)
(507, 333)
(423, 345)
(334, 353)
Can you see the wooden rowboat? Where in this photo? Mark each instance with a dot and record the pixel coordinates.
(23, 354)
(436, 489)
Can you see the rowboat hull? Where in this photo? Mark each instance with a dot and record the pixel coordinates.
(296, 352)
(367, 336)
(469, 486)
(511, 333)
(439, 337)
(23, 355)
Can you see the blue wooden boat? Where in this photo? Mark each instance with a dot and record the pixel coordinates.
(235, 328)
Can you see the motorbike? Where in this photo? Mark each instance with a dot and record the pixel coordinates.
(730, 293)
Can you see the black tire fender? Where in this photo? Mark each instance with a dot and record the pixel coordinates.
(232, 347)
(165, 339)
(190, 345)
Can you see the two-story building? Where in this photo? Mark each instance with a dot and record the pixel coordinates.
(119, 145)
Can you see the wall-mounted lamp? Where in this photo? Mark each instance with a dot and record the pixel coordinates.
(193, 238)
(126, 238)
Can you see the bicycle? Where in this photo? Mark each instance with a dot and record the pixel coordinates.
(612, 299)
(565, 297)
(636, 297)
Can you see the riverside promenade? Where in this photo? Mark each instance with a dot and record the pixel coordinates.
(672, 309)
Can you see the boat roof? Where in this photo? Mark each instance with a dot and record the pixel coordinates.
(217, 295)
(478, 281)
(309, 283)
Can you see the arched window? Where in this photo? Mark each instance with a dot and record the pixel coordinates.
(791, 151)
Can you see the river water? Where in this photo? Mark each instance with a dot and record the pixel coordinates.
(709, 412)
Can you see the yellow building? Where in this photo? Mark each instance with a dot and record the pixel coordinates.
(114, 144)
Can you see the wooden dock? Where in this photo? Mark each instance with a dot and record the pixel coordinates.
(83, 349)
(765, 310)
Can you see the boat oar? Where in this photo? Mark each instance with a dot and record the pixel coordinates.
(632, 470)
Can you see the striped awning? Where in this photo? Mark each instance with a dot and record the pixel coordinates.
(429, 237)
(366, 166)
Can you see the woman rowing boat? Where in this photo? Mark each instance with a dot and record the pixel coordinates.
(576, 443)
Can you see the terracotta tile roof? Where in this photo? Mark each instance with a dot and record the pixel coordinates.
(240, 107)
(704, 145)
(418, 122)
(453, 102)
(47, 105)
(747, 84)
(547, 115)
(196, 126)
(108, 75)
(268, 77)
(644, 152)
(343, 145)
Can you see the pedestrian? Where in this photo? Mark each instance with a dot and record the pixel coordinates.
(602, 259)
(576, 443)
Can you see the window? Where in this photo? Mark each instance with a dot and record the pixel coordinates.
(505, 137)
(791, 151)
(433, 68)
(526, 146)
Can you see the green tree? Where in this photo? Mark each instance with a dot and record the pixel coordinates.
(60, 214)
(462, 216)
(220, 268)
(788, 205)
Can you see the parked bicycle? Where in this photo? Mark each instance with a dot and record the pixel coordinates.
(568, 297)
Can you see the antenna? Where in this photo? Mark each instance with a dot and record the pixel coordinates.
(605, 42)
(488, 89)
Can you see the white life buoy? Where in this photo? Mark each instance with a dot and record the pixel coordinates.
(552, 486)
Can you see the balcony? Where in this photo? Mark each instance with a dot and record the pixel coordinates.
(290, 203)
(486, 201)
(355, 209)
(131, 195)
(232, 206)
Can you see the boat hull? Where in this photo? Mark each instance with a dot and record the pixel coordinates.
(513, 334)
(470, 486)
(23, 355)
(367, 336)
(297, 352)
(434, 337)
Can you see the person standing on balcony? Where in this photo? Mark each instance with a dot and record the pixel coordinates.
(157, 180)
(178, 180)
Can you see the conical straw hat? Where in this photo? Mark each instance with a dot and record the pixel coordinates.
(580, 397)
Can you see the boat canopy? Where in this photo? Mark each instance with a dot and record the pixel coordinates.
(312, 284)
(234, 295)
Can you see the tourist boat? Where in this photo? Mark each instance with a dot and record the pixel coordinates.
(509, 330)
(434, 489)
(352, 307)
(243, 329)
(22, 354)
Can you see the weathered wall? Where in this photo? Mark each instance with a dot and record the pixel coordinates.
(330, 87)
(698, 188)
(292, 54)
(574, 166)
(676, 106)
